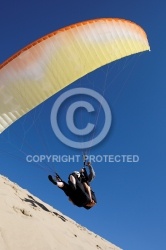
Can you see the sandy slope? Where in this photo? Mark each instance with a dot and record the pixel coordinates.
(27, 223)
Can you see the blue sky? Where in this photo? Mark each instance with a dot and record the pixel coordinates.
(131, 196)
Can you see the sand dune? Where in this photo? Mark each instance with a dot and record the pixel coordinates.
(27, 223)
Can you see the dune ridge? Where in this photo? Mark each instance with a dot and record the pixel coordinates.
(27, 223)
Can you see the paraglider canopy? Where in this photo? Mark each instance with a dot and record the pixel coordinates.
(54, 61)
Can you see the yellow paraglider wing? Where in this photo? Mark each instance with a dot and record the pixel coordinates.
(49, 64)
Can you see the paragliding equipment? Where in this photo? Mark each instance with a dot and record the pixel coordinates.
(85, 159)
(56, 60)
(49, 64)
